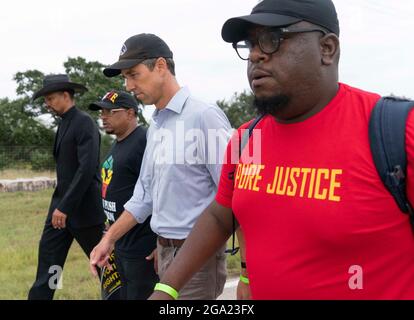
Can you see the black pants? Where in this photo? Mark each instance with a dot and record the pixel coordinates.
(53, 249)
(138, 277)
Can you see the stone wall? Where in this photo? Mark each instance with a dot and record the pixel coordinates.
(31, 184)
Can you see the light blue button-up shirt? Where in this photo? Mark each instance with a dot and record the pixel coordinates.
(180, 171)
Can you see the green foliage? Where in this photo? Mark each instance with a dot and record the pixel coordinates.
(106, 143)
(20, 135)
(3, 160)
(88, 73)
(28, 82)
(239, 109)
(41, 160)
(19, 128)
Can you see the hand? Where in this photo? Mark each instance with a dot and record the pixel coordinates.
(154, 255)
(58, 219)
(243, 291)
(100, 255)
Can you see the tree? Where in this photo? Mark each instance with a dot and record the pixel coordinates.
(23, 139)
(239, 109)
(19, 128)
(88, 73)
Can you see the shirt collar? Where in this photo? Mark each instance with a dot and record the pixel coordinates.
(68, 113)
(176, 103)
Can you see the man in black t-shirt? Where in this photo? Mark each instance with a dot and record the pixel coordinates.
(120, 171)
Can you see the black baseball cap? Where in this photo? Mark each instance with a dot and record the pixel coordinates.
(278, 13)
(137, 49)
(115, 99)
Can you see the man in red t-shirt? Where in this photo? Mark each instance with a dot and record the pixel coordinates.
(318, 222)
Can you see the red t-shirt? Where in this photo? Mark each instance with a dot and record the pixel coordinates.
(318, 222)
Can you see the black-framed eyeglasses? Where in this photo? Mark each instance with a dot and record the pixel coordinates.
(268, 40)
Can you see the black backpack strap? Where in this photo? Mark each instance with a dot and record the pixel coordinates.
(242, 143)
(248, 133)
(387, 139)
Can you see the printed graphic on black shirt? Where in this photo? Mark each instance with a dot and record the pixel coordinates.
(110, 281)
(107, 173)
(120, 171)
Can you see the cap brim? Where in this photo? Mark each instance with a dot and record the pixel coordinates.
(116, 68)
(235, 29)
(55, 87)
(101, 105)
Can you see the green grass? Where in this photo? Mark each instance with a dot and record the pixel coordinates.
(21, 222)
(25, 173)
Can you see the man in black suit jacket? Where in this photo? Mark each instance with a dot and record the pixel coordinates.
(75, 211)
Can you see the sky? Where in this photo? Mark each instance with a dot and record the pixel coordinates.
(377, 44)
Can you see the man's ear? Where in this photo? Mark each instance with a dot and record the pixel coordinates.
(161, 64)
(67, 96)
(131, 113)
(329, 49)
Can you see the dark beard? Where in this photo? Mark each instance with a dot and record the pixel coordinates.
(270, 105)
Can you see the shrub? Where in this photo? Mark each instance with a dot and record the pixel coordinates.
(41, 160)
(4, 160)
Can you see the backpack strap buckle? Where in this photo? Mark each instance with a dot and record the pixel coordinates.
(397, 175)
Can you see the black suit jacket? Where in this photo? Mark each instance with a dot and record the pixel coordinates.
(76, 152)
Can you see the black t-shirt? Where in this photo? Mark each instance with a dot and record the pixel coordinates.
(120, 171)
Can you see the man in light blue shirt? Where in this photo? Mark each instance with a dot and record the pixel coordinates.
(181, 166)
